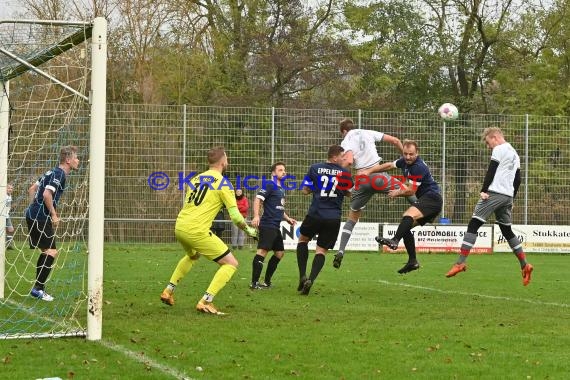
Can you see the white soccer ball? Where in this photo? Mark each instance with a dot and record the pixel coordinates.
(448, 112)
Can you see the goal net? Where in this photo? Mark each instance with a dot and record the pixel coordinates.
(52, 94)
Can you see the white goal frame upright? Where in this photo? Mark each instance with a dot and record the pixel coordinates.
(97, 100)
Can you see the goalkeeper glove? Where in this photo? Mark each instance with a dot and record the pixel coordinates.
(251, 232)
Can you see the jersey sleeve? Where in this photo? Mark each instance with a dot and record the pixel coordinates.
(55, 181)
(264, 191)
(400, 163)
(308, 180)
(497, 154)
(349, 143)
(378, 136)
(489, 175)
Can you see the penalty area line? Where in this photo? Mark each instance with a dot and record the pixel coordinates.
(137, 356)
(143, 359)
(487, 296)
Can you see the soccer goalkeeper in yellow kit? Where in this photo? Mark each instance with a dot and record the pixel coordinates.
(209, 192)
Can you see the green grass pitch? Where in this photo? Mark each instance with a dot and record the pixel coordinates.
(363, 321)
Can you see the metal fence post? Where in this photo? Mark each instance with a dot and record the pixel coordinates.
(443, 153)
(272, 135)
(526, 154)
(184, 125)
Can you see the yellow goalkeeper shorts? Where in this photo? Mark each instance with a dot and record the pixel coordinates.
(207, 243)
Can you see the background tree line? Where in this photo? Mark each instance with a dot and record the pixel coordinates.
(507, 57)
(487, 56)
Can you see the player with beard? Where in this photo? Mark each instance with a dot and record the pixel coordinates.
(272, 197)
(209, 192)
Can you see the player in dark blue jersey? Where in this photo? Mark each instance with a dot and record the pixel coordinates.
(325, 211)
(42, 218)
(272, 197)
(422, 211)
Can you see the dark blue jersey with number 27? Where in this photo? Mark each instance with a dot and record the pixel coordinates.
(328, 192)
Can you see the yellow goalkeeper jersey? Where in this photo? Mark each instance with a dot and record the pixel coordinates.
(208, 193)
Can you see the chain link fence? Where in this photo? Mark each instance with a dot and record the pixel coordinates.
(173, 140)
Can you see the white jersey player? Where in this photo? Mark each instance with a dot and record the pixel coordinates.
(499, 189)
(360, 152)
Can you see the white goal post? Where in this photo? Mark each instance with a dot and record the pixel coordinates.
(27, 49)
(97, 180)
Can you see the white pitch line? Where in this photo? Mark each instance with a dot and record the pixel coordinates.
(142, 358)
(137, 356)
(502, 298)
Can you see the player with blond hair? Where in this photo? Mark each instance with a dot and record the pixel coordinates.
(499, 189)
